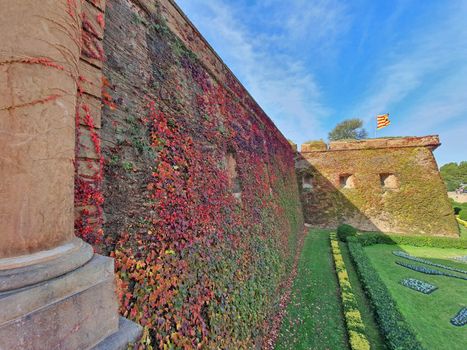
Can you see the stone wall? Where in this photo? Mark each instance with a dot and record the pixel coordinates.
(202, 210)
(88, 155)
(388, 184)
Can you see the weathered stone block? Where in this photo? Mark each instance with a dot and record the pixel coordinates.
(85, 210)
(100, 4)
(74, 311)
(92, 16)
(91, 79)
(87, 146)
(88, 167)
(128, 333)
(92, 106)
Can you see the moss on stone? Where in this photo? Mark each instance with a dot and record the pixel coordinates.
(418, 205)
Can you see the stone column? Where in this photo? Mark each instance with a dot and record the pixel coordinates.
(39, 58)
(54, 292)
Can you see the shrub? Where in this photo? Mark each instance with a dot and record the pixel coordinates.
(397, 332)
(462, 222)
(353, 319)
(463, 214)
(344, 231)
(367, 239)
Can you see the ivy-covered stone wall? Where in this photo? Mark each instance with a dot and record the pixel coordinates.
(202, 211)
(388, 185)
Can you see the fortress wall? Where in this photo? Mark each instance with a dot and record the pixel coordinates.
(389, 185)
(202, 210)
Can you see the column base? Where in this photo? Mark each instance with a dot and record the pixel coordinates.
(21, 271)
(77, 310)
(128, 332)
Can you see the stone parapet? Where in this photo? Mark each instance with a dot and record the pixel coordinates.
(314, 146)
(431, 141)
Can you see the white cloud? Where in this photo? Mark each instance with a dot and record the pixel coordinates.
(281, 83)
(423, 59)
(277, 47)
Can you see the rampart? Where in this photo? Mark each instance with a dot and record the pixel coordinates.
(201, 200)
(118, 117)
(386, 184)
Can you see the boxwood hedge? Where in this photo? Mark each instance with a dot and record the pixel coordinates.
(397, 332)
(344, 231)
(367, 239)
(353, 318)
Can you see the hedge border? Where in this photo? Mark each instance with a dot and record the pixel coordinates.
(344, 231)
(460, 221)
(353, 319)
(367, 239)
(395, 329)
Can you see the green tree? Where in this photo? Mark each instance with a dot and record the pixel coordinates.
(348, 129)
(454, 174)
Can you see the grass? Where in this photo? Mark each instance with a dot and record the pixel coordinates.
(314, 316)
(371, 328)
(463, 230)
(428, 315)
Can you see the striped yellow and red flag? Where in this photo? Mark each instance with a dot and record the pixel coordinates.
(382, 120)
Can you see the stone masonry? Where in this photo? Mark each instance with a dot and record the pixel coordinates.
(386, 184)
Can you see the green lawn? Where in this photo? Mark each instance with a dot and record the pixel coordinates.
(314, 316)
(371, 328)
(429, 315)
(463, 230)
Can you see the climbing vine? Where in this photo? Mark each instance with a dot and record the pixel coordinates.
(198, 266)
(89, 197)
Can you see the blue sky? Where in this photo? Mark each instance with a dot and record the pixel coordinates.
(313, 63)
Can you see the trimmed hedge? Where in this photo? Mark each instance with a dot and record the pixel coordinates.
(344, 231)
(367, 239)
(353, 319)
(399, 335)
(462, 222)
(463, 214)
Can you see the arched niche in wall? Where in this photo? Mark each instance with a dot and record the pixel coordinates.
(307, 182)
(232, 172)
(389, 181)
(347, 181)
